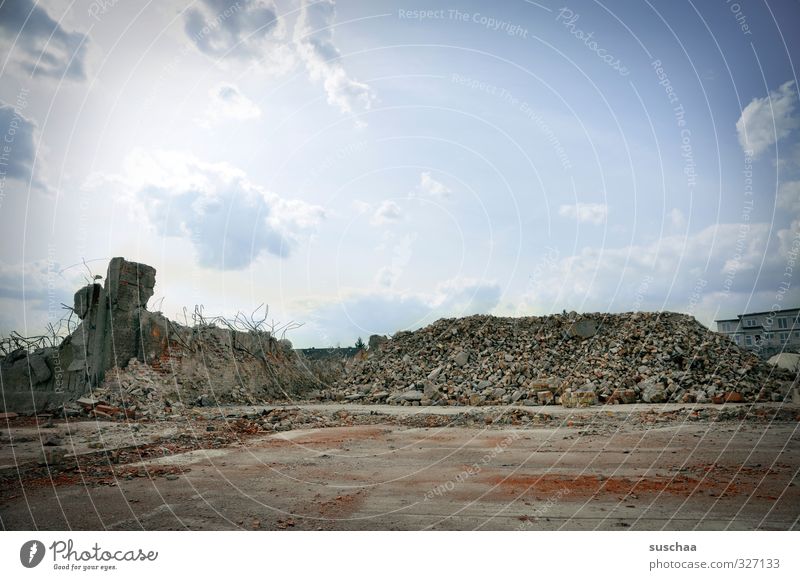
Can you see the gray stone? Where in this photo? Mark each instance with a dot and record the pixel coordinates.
(430, 390)
(434, 374)
(87, 402)
(786, 360)
(583, 329)
(410, 396)
(40, 372)
(652, 391)
(461, 358)
(52, 440)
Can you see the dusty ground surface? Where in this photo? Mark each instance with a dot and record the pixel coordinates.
(348, 467)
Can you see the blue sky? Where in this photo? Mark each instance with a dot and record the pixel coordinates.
(369, 167)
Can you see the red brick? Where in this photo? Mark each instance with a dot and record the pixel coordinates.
(733, 397)
(625, 396)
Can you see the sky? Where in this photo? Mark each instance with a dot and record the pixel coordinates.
(369, 167)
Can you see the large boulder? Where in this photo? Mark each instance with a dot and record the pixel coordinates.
(652, 391)
(786, 360)
(585, 328)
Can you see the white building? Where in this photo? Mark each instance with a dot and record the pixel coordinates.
(765, 333)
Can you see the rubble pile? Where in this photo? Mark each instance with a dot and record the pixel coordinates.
(569, 359)
(208, 371)
(130, 357)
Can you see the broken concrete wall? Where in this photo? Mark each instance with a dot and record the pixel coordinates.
(116, 328)
(329, 365)
(109, 324)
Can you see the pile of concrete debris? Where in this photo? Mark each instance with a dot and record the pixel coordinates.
(571, 359)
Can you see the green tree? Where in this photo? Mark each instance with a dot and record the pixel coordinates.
(360, 344)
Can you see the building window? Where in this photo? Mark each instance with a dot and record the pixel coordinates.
(784, 337)
(748, 340)
(783, 322)
(738, 339)
(749, 322)
(767, 336)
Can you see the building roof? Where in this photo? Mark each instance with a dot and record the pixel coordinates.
(784, 311)
(739, 316)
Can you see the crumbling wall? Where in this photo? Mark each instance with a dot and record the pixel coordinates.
(185, 363)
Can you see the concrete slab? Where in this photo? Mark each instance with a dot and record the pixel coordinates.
(386, 476)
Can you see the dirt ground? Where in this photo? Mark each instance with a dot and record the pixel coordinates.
(351, 467)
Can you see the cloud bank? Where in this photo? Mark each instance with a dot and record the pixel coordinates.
(229, 220)
(38, 44)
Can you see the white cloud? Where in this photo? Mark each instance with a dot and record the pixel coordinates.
(240, 29)
(228, 103)
(592, 213)
(767, 120)
(430, 186)
(313, 36)
(41, 46)
(676, 219)
(387, 212)
(462, 296)
(734, 262)
(362, 207)
(229, 220)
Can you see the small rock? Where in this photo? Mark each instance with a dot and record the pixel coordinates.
(52, 441)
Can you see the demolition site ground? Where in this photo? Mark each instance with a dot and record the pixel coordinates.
(346, 466)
